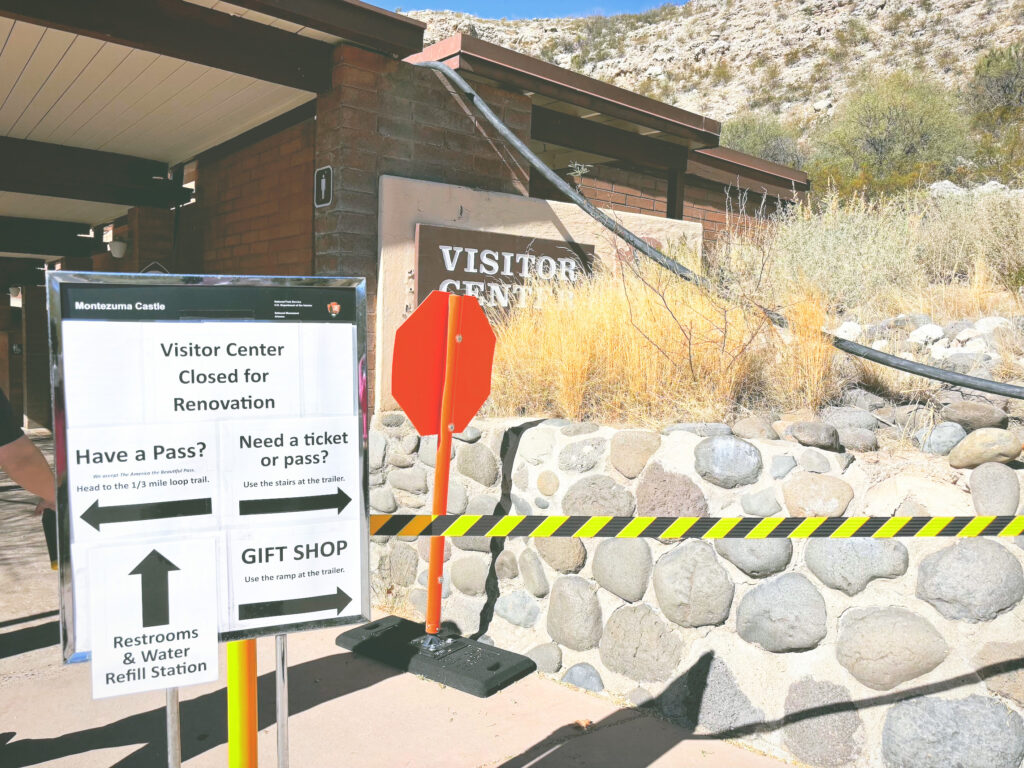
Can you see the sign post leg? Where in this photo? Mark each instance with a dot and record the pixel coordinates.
(242, 725)
(173, 729)
(442, 465)
(281, 646)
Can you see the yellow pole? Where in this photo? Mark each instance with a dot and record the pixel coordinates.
(242, 724)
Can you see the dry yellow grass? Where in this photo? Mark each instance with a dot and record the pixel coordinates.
(803, 374)
(644, 347)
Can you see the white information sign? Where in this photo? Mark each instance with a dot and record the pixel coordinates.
(153, 624)
(228, 413)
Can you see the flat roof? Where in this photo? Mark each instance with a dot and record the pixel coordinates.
(469, 54)
(729, 166)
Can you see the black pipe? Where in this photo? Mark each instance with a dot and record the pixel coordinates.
(850, 347)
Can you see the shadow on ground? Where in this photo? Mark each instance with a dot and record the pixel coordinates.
(29, 639)
(629, 737)
(203, 722)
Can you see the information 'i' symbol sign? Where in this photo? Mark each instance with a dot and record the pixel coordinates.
(441, 375)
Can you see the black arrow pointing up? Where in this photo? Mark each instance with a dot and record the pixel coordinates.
(335, 601)
(338, 500)
(154, 569)
(97, 515)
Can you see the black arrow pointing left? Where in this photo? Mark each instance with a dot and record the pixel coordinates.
(335, 601)
(155, 599)
(96, 515)
(338, 501)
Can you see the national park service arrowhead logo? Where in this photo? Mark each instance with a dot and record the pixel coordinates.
(333, 308)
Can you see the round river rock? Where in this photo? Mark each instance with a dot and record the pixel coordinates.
(574, 614)
(849, 564)
(973, 732)
(973, 580)
(995, 489)
(692, 587)
(564, 554)
(727, 461)
(631, 449)
(829, 740)
(757, 558)
(598, 495)
(987, 444)
(815, 434)
(883, 647)
(661, 493)
(640, 644)
(623, 567)
(783, 614)
(971, 415)
(811, 495)
(581, 455)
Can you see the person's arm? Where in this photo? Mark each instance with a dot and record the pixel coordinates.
(25, 464)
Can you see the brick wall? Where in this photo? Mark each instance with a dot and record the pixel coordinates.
(719, 210)
(149, 233)
(254, 208)
(705, 202)
(387, 117)
(622, 190)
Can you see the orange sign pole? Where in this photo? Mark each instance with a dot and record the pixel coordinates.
(442, 465)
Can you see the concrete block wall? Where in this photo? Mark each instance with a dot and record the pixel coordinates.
(862, 652)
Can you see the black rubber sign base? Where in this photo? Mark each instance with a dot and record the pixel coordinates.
(467, 665)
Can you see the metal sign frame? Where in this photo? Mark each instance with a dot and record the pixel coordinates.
(55, 282)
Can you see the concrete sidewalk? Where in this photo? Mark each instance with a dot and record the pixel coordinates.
(346, 711)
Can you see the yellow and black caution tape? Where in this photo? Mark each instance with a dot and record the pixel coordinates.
(538, 526)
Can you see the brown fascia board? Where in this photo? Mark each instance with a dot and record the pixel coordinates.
(465, 53)
(351, 20)
(749, 168)
(716, 178)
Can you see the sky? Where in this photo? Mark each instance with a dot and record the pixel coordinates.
(531, 9)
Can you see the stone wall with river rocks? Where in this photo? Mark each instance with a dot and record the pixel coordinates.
(857, 652)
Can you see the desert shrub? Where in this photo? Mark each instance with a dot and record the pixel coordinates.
(950, 257)
(893, 133)
(852, 33)
(721, 73)
(995, 96)
(763, 135)
(897, 18)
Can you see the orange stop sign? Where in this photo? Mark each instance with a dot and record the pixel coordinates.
(418, 366)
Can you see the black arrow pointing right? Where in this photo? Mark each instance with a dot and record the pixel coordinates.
(335, 601)
(338, 500)
(96, 515)
(155, 599)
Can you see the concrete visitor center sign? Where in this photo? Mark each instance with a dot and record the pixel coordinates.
(211, 466)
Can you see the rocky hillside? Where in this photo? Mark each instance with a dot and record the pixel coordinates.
(794, 57)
